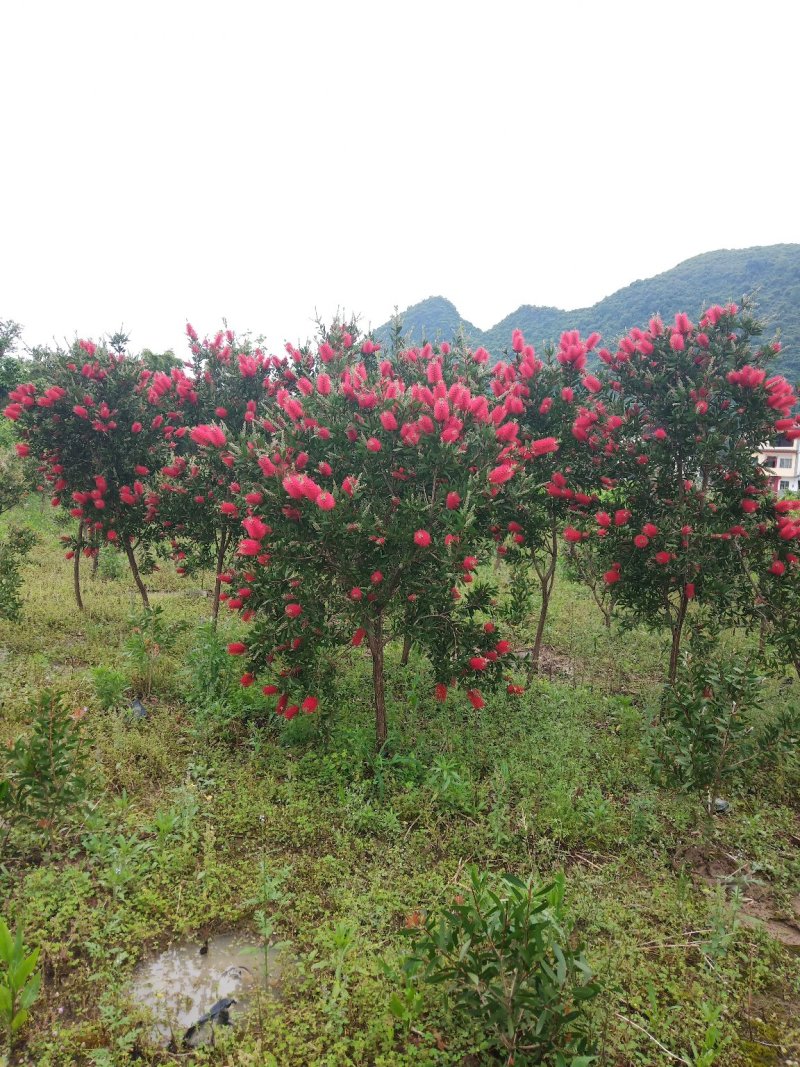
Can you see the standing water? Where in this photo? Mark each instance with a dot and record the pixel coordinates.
(188, 987)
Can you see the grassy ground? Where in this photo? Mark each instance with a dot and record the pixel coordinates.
(192, 805)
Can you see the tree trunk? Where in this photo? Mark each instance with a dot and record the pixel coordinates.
(95, 563)
(375, 638)
(406, 651)
(677, 630)
(533, 665)
(546, 581)
(76, 567)
(223, 548)
(136, 576)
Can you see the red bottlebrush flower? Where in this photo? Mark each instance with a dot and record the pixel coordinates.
(290, 712)
(749, 506)
(452, 502)
(622, 516)
(440, 691)
(269, 690)
(610, 577)
(489, 627)
(478, 663)
(208, 435)
(701, 407)
(422, 538)
(326, 502)
(660, 434)
(501, 474)
(544, 446)
(475, 698)
(247, 680)
(293, 610)
(310, 705)
(663, 558)
(236, 648)
(572, 535)
(22, 450)
(676, 342)
(594, 385)
(376, 577)
(689, 590)
(254, 498)
(641, 541)
(603, 519)
(257, 529)
(248, 547)
(649, 529)
(515, 690)
(227, 507)
(355, 593)
(358, 637)
(136, 427)
(777, 567)
(373, 444)
(388, 421)
(469, 563)
(503, 647)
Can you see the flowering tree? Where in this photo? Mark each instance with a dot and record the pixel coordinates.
(548, 405)
(97, 433)
(776, 578)
(687, 407)
(365, 513)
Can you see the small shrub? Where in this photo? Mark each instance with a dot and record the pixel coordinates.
(14, 547)
(150, 637)
(710, 730)
(42, 775)
(110, 566)
(503, 952)
(19, 985)
(111, 688)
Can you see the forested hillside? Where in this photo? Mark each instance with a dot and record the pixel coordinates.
(771, 274)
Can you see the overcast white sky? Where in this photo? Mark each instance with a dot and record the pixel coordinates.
(172, 160)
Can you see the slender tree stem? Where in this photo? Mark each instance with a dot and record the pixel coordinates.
(135, 572)
(222, 548)
(677, 630)
(375, 639)
(76, 567)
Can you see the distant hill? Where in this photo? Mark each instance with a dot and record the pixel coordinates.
(771, 274)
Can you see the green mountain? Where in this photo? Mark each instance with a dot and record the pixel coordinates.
(770, 274)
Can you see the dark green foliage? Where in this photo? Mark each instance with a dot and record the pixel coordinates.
(713, 726)
(504, 955)
(42, 778)
(13, 478)
(771, 273)
(14, 547)
(19, 985)
(11, 369)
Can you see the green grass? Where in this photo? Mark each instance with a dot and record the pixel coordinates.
(188, 803)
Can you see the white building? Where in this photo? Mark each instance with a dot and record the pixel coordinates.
(781, 460)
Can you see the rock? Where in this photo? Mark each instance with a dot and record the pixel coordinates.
(138, 709)
(721, 807)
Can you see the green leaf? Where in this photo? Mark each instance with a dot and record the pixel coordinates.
(19, 1020)
(31, 991)
(18, 975)
(6, 944)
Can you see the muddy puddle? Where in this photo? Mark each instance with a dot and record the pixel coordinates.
(188, 992)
